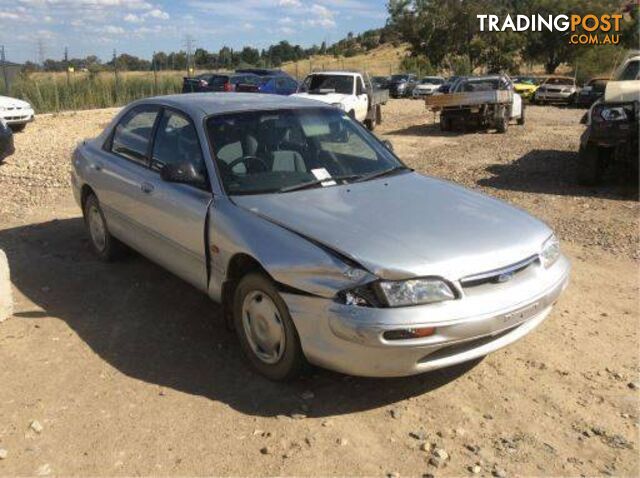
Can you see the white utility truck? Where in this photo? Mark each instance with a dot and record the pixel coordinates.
(350, 91)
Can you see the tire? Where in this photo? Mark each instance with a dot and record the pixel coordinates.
(522, 118)
(503, 122)
(370, 124)
(18, 128)
(104, 245)
(445, 123)
(352, 114)
(590, 166)
(282, 359)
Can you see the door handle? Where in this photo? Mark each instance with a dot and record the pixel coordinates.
(147, 188)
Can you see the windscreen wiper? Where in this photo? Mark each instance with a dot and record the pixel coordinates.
(384, 172)
(317, 182)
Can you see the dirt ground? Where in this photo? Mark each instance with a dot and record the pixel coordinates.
(123, 369)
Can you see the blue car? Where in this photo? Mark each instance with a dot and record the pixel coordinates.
(275, 85)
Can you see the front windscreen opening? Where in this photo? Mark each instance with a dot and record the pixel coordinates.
(259, 152)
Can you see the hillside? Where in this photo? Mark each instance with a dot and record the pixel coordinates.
(383, 60)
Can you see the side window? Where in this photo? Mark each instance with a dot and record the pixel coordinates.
(292, 84)
(631, 71)
(132, 135)
(281, 83)
(176, 142)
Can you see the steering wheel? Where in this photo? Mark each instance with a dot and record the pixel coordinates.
(249, 159)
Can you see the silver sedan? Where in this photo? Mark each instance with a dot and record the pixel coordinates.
(321, 245)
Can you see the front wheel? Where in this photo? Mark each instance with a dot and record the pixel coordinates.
(503, 121)
(521, 120)
(265, 330)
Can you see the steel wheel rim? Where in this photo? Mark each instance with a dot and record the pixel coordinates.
(97, 228)
(263, 327)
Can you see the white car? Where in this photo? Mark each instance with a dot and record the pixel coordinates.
(427, 86)
(16, 113)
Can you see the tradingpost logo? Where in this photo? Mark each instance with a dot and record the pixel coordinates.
(581, 29)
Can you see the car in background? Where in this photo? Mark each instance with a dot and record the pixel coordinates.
(16, 113)
(262, 72)
(526, 86)
(273, 85)
(6, 141)
(211, 82)
(427, 86)
(611, 136)
(556, 89)
(592, 91)
(446, 87)
(401, 85)
(380, 82)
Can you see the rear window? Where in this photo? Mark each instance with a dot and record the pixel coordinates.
(399, 77)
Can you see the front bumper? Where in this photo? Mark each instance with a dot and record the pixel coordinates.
(554, 97)
(18, 116)
(350, 339)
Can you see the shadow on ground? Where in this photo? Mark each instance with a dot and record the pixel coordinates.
(153, 327)
(555, 172)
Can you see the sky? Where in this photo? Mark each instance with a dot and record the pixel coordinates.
(29, 28)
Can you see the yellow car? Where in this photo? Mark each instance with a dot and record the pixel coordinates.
(525, 86)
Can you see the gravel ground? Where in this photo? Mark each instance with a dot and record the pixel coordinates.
(125, 370)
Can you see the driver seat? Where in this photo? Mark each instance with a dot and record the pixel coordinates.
(273, 142)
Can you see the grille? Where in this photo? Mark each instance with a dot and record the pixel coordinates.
(498, 276)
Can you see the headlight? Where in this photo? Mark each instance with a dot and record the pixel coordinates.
(550, 251)
(615, 113)
(338, 105)
(415, 291)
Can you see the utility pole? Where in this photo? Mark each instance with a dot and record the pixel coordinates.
(115, 75)
(155, 73)
(5, 75)
(189, 44)
(66, 64)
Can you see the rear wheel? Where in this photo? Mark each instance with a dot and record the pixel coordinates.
(265, 330)
(106, 247)
(445, 123)
(503, 121)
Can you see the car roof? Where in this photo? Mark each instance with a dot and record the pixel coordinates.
(200, 105)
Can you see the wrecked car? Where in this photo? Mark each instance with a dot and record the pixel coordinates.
(321, 245)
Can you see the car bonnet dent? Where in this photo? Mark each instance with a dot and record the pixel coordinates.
(408, 226)
(289, 259)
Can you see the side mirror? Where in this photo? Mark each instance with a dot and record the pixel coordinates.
(183, 173)
(388, 144)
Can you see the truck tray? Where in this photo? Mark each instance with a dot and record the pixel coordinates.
(470, 98)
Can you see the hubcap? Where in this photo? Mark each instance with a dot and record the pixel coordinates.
(97, 228)
(263, 327)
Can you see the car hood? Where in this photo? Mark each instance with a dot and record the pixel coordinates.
(329, 98)
(407, 225)
(7, 102)
(522, 87)
(622, 91)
